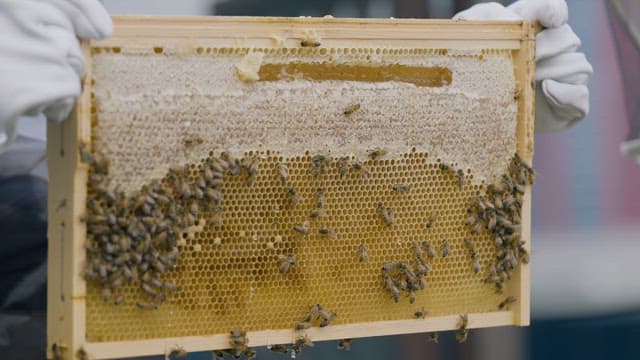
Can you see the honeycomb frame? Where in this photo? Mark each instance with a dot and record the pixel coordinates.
(67, 289)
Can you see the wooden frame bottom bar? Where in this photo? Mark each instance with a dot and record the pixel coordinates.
(120, 349)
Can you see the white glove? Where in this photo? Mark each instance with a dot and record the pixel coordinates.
(40, 58)
(562, 97)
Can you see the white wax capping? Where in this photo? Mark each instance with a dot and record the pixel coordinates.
(148, 106)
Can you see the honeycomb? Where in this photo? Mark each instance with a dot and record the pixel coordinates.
(158, 108)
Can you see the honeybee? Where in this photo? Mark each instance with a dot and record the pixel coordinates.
(376, 153)
(412, 297)
(293, 198)
(302, 228)
(516, 94)
(249, 354)
(310, 43)
(145, 305)
(390, 266)
(433, 337)
(94, 219)
(400, 188)
(216, 182)
(99, 229)
(357, 165)
(471, 219)
(85, 156)
(146, 288)
(101, 165)
(421, 313)
(253, 166)
(422, 267)
(314, 311)
(387, 215)
(326, 316)
(461, 179)
(395, 292)
(193, 141)
(351, 109)
(363, 254)
(469, 244)
(303, 325)
(238, 342)
(303, 341)
(279, 348)
(282, 171)
(462, 332)
(506, 303)
(431, 252)
(475, 264)
(58, 351)
(416, 249)
(319, 162)
(286, 262)
(431, 219)
(118, 300)
(523, 254)
(445, 248)
(320, 198)
(106, 294)
(344, 344)
(317, 213)
(491, 225)
(213, 194)
(328, 233)
(81, 354)
(178, 352)
(343, 166)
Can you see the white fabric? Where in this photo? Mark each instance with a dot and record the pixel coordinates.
(40, 57)
(562, 97)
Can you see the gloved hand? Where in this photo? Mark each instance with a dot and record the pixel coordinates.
(40, 58)
(562, 96)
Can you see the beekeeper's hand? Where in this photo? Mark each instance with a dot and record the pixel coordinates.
(562, 97)
(40, 58)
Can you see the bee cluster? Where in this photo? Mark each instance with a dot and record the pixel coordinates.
(239, 347)
(133, 239)
(499, 212)
(398, 276)
(317, 316)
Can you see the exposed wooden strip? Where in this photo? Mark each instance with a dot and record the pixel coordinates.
(114, 350)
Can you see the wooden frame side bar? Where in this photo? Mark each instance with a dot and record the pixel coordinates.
(526, 90)
(66, 288)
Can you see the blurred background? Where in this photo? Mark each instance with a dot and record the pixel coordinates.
(586, 219)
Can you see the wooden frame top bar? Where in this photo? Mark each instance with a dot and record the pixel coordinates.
(334, 32)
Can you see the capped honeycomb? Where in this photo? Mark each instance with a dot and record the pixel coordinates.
(159, 108)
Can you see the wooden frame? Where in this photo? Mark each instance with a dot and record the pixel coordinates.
(68, 177)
